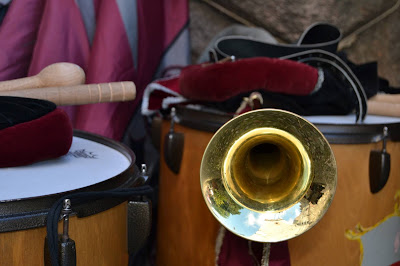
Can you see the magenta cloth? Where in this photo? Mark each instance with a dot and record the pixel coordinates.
(221, 81)
(61, 38)
(18, 33)
(37, 33)
(110, 60)
(235, 252)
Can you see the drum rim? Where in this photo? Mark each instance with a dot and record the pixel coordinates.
(101, 140)
(334, 133)
(31, 212)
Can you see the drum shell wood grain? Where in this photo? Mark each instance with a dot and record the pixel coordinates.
(353, 204)
(187, 231)
(100, 239)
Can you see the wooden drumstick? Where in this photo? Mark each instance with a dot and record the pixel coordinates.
(80, 94)
(383, 108)
(55, 75)
(387, 98)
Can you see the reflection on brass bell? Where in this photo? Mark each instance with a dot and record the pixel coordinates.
(268, 175)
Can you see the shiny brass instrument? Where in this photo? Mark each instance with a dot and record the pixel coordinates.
(268, 175)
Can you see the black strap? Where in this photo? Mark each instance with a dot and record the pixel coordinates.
(324, 59)
(321, 36)
(79, 198)
(317, 47)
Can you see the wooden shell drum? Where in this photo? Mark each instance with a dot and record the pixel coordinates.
(93, 163)
(187, 231)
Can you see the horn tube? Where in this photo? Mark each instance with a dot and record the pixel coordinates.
(268, 175)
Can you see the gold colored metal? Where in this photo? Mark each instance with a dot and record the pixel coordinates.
(266, 169)
(268, 175)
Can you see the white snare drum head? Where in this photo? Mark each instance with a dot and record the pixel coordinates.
(350, 119)
(87, 163)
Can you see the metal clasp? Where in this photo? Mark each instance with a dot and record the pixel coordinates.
(379, 165)
(254, 101)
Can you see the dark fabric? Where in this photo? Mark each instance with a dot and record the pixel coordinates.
(236, 251)
(47, 137)
(77, 199)
(385, 88)
(16, 110)
(333, 98)
(368, 75)
(221, 81)
(322, 36)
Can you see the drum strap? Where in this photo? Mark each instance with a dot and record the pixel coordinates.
(80, 198)
(321, 36)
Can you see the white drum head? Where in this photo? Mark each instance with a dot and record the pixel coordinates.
(350, 120)
(87, 163)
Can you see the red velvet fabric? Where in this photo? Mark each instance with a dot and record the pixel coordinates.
(47, 137)
(221, 81)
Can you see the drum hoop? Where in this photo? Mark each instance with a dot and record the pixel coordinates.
(31, 212)
(334, 133)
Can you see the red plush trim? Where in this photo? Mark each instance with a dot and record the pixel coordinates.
(221, 81)
(47, 137)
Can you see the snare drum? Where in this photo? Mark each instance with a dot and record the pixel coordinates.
(93, 163)
(187, 231)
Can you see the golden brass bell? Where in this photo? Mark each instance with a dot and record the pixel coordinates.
(268, 175)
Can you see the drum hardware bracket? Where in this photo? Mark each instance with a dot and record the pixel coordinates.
(379, 165)
(67, 249)
(144, 174)
(156, 132)
(173, 145)
(213, 58)
(254, 101)
(138, 223)
(138, 218)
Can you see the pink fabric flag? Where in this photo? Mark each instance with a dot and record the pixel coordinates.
(128, 45)
(110, 60)
(61, 38)
(18, 33)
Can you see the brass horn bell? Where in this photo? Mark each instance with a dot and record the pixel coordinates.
(268, 175)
